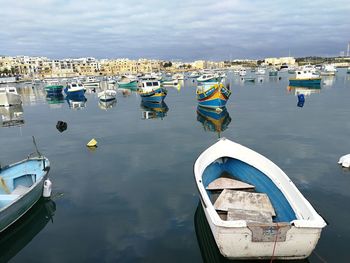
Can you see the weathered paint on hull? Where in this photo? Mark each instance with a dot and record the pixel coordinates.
(236, 243)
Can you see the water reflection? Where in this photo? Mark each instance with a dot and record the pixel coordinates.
(11, 116)
(206, 242)
(21, 233)
(76, 103)
(213, 120)
(55, 101)
(105, 105)
(31, 95)
(153, 110)
(303, 90)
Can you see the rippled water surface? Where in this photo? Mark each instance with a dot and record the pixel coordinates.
(133, 198)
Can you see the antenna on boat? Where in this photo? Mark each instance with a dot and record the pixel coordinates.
(36, 147)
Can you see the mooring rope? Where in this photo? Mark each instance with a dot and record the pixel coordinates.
(274, 245)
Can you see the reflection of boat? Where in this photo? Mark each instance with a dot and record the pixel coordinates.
(104, 105)
(21, 186)
(107, 95)
(212, 95)
(21, 233)
(213, 120)
(76, 102)
(11, 116)
(56, 99)
(153, 110)
(151, 90)
(305, 78)
(253, 209)
(304, 90)
(9, 96)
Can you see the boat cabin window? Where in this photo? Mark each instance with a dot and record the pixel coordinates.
(11, 90)
(80, 85)
(74, 85)
(149, 84)
(155, 83)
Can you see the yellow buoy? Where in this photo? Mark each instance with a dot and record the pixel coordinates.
(92, 143)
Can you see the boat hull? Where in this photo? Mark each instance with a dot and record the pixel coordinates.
(236, 243)
(155, 96)
(20, 204)
(131, 85)
(74, 93)
(305, 82)
(215, 97)
(54, 90)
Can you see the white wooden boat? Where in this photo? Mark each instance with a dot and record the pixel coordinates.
(253, 208)
(91, 82)
(9, 96)
(107, 95)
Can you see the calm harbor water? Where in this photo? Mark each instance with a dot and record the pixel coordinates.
(133, 198)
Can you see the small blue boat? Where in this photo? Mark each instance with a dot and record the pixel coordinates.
(75, 89)
(21, 186)
(151, 91)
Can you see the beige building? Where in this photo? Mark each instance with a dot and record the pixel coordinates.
(279, 61)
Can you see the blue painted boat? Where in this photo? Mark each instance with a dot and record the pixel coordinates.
(21, 186)
(213, 120)
(253, 209)
(75, 89)
(151, 91)
(212, 95)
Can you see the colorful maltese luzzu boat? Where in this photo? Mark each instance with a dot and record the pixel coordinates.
(151, 91)
(212, 95)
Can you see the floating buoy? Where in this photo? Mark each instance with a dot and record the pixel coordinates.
(92, 143)
(61, 126)
(345, 161)
(47, 188)
(218, 110)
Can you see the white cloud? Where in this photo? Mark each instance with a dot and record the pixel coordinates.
(168, 29)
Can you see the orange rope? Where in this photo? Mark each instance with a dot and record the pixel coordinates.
(274, 245)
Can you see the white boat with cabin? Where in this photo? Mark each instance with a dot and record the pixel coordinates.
(9, 96)
(253, 209)
(91, 82)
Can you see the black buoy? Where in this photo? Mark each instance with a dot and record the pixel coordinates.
(61, 126)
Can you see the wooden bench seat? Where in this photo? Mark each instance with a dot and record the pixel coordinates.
(241, 200)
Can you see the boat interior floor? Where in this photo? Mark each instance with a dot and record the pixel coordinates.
(237, 200)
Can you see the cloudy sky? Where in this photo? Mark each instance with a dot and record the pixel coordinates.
(174, 29)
